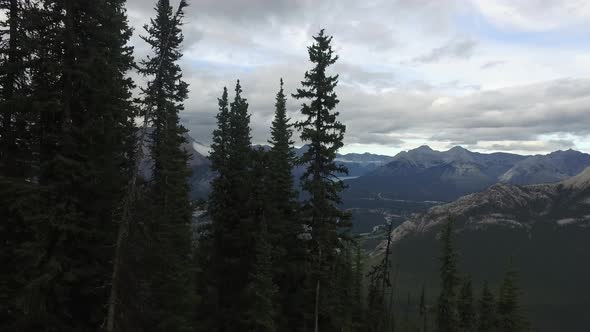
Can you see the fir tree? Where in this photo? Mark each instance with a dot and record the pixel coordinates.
(486, 321)
(423, 310)
(261, 290)
(16, 164)
(325, 134)
(446, 316)
(509, 311)
(285, 227)
(465, 307)
(233, 212)
(170, 280)
(81, 129)
(358, 304)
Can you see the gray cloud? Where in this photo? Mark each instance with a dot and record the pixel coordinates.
(454, 49)
(551, 145)
(382, 102)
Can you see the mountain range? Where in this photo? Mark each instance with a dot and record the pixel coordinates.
(421, 174)
(425, 174)
(357, 164)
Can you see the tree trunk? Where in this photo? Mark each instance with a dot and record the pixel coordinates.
(7, 134)
(317, 305)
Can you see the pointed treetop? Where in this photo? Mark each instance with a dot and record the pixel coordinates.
(238, 87)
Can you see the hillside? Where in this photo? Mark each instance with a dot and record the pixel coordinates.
(545, 228)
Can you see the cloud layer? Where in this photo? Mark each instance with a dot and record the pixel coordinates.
(489, 75)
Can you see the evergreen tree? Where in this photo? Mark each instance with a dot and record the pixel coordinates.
(80, 126)
(261, 290)
(325, 134)
(233, 213)
(486, 321)
(16, 164)
(16, 119)
(170, 281)
(423, 310)
(376, 306)
(509, 311)
(285, 226)
(465, 307)
(358, 304)
(446, 316)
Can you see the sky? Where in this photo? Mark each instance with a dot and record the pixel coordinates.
(488, 75)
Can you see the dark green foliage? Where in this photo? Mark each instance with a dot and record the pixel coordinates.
(465, 307)
(74, 124)
(285, 226)
(234, 212)
(358, 306)
(261, 290)
(376, 305)
(509, 311)
(423, 310)
(16, 193)
(168, 227)
(486, 318)
(380, 313)
(324, 133)
(446, 315)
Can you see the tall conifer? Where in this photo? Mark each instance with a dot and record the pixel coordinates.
(324, 133)
(465, 307)
(170, 280)
(486, 316)
(81, 129)
(446, 315)
(285, 227)
(509, 310)
(233, 213)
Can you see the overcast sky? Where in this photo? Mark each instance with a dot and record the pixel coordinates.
(489, 75)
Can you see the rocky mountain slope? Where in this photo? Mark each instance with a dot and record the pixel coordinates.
(513, 206)
(544, 228)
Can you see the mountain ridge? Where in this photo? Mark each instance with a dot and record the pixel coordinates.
(427, 174)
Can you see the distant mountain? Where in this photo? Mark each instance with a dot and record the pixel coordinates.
(358, 164)
(201, 176)
(545, 228)
(199, 164)
(550, 168)
(426, 174)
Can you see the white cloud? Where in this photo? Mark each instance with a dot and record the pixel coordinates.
(410, 72)
(535, 15)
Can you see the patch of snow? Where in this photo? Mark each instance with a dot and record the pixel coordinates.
(566, 221)
(201, 148)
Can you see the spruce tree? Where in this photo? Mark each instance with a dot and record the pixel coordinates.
(261, 290)
(446, 315)
(509, 310)
(170, 280)
(423, 310)
(465, 307)
(324, 133)
(15, 121)
(358, 303)
(285, 226)
(81, 129)
(233, 212)
(486, 317)
(16, 164)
